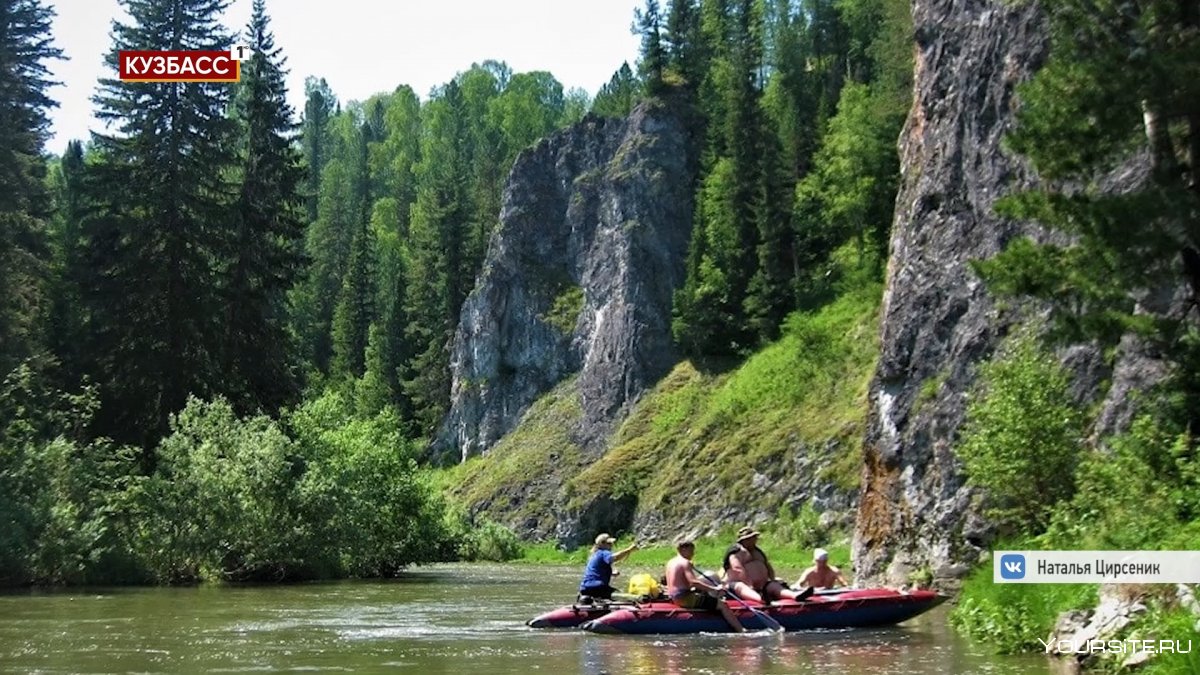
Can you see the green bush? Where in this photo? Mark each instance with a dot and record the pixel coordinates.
(224, 501)
(489, 541)
(1022, 435)
(246, 499)
(63, 500)
(1013, 617)
(376, 510)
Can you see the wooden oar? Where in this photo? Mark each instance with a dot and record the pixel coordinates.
(771, 624)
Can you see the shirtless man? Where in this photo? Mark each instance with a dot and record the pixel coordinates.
(821, 574)
(690, 590)
(750, 574)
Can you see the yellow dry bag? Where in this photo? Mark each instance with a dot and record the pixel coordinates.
(643, 585)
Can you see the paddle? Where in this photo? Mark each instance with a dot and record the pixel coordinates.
(772, 624)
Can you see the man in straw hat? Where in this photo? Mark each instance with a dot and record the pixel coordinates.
(750, 574)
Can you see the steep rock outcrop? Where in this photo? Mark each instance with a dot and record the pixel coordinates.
(578, 277)
(938, 319)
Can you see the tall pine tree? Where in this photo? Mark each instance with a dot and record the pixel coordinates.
(648, 24)
(319, 106)
(24, 49)
(265, 256)
(160, 226)
(439, 272)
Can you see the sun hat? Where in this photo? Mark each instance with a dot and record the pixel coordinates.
(746, 533)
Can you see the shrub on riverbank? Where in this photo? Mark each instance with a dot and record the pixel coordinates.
(1140, 493)
(321, 493)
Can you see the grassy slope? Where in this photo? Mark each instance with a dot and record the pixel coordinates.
(738, 441)
(517, 482)
(806, 390)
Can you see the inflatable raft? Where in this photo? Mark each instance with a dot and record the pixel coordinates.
(850, 608)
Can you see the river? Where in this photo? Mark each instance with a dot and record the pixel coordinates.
(438, 619)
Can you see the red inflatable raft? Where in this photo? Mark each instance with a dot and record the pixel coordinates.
(852, 608)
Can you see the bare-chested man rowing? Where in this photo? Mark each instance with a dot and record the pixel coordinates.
(750, 575)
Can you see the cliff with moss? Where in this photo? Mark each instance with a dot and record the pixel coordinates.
(700, 450)
(577, 281)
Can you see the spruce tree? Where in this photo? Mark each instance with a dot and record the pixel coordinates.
(67, 193)
(1120, 85)
(319, 106)
(439, 274)
(683, 42)
(328, 242)
(265, 256)
(160, 226)
(355, 309)
(617, 97)
(24, 49)
(648, 24)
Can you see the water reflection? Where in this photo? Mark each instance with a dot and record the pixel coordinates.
(451, 619)
(896, 650)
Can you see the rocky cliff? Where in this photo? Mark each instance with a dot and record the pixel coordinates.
(938, 320)
(578, 278)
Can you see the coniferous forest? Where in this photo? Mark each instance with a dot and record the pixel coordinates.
(225, 324)
(224, 337)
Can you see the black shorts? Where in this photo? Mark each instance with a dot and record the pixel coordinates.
(602, 592)
(695, 600)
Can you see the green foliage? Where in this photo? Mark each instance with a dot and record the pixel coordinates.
(647, 22)
(63, 501)
(25, 47)
(376, 508)
(852, 187)
(330, 494)
(355, 310)
(265, 252)
(1013, 617)
(1140, 494)
(693, 429)
(564, 312)
(1174, 623)
(530, 107)
(224, 502)
(930, 388)
(1022, 436)
(617, 97)
(487, 541)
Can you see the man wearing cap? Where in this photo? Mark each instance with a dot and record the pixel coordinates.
(599, 571)
(750, 574)
(821, 574)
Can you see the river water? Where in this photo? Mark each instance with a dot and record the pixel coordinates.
(439, 619)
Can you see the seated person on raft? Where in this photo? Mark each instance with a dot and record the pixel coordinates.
(598, 574)
(821, 574)
(690, 590)
(750, 575)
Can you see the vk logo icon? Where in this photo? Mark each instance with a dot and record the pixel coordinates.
(1012, 566)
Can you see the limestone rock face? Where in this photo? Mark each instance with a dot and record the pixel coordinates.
(938, 320)
(578, 278)
(939, 323)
